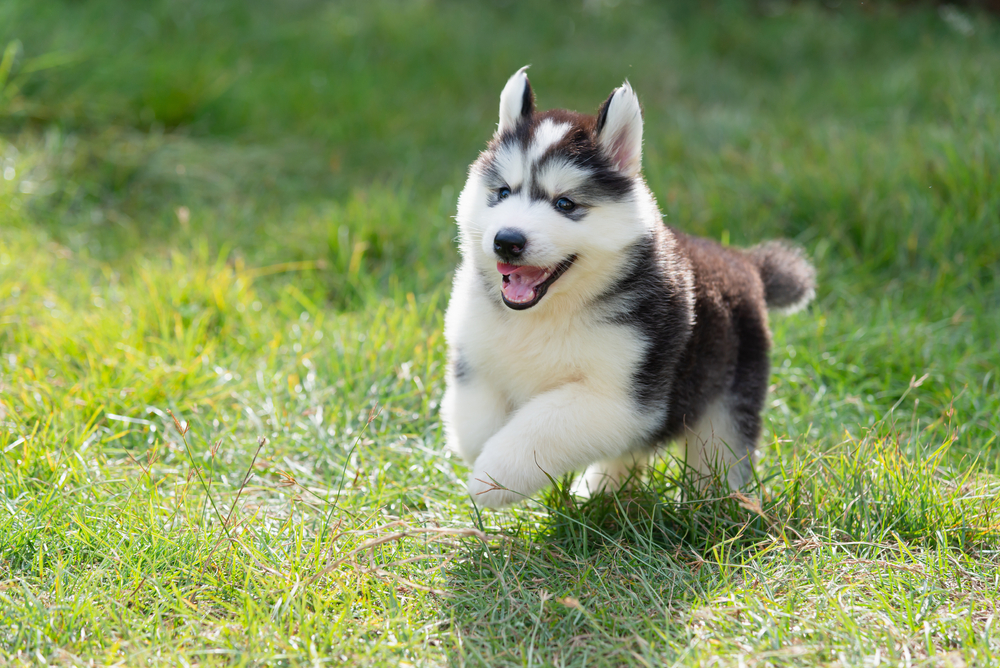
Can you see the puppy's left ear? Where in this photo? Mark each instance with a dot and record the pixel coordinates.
(619, 130)
(517, 101)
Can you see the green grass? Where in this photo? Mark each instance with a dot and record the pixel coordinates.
(238, 215)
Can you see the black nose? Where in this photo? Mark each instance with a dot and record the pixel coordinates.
(508, 244)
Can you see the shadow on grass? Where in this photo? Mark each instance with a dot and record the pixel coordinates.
(593, 580)
(617, 577)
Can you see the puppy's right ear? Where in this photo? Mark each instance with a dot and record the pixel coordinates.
(619, 130)
(517, 101)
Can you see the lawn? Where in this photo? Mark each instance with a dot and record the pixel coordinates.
(226, 243)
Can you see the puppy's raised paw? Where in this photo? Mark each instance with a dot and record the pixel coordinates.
(499, 479)
(490, 493)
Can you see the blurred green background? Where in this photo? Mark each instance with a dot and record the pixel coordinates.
(335, 136)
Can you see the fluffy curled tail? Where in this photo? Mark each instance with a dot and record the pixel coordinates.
(789, 278)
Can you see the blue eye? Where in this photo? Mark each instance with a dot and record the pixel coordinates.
(565, 204)
(503, 193)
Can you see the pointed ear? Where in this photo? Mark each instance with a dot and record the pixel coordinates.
(619, 130)
(517, 101)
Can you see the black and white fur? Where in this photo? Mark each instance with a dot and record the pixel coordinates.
(639, 335)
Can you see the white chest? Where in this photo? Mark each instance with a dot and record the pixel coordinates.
(522, 354)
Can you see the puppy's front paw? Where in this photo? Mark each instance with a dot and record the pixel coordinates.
(500, 477)
(487, 492)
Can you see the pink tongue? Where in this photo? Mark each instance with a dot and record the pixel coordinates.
(521, 283)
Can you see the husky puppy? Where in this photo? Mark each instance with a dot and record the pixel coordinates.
(581, 330)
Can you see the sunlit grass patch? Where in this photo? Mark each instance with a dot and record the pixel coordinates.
(290, 428)
(877, 490)
(88, 341)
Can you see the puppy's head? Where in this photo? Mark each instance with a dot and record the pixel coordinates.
(555, 196)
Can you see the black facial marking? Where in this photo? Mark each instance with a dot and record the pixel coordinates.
(608, 183)
(487, 168)
(495, 197)
(577, 214)
(579, 148)
(537, 193)
(603, 183)
(520, 134)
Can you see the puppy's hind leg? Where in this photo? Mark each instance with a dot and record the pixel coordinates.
(722, 442)
(724, 439)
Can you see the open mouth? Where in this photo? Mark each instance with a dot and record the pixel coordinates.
(524, 286)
